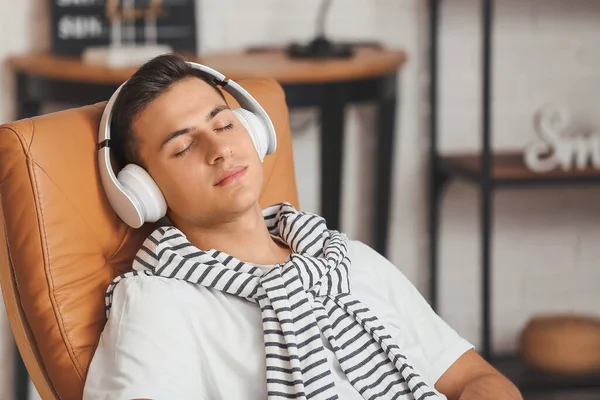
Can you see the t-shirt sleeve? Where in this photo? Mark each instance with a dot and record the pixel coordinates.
(146, 349)
(429, 343)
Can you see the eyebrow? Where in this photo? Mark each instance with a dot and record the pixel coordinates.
(211, 114)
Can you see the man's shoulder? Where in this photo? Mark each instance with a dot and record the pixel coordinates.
(361, 253)
(157, 293)
(361, 248)
(148, 289)
(373, 267)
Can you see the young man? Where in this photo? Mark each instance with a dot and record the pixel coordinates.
(231, 302)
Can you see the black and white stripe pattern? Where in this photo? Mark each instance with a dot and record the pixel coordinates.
(307, 295)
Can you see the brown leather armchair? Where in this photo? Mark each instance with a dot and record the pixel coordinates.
(64, 244)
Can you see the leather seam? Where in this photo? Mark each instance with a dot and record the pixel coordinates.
(32, 136)
(108, 259)
(60, 320)
(127, 228)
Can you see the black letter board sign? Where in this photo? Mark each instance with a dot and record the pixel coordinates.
(77, 24)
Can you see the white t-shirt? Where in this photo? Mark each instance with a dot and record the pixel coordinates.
(169, 339)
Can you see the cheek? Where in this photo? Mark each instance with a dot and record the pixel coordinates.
(258, 180)
(177, 186)
(244, 143)
(259, 176)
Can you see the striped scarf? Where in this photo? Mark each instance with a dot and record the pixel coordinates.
(306, 296)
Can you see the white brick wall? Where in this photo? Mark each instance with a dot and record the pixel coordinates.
(545, 240)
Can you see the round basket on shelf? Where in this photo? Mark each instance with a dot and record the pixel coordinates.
(562, 343)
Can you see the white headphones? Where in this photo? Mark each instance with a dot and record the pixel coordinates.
(133, 194)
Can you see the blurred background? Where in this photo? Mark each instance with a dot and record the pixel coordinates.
(544, 245)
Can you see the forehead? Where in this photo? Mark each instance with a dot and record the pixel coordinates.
(183, 104)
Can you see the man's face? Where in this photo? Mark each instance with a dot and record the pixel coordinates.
(201, 157)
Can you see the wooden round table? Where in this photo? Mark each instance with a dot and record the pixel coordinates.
(330, 85)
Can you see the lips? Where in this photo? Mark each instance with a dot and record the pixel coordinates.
(229, 176)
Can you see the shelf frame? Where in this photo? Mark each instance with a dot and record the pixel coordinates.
(487, 171)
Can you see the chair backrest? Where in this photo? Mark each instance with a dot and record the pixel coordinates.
(61, 243)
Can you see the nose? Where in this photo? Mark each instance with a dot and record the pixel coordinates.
(219, 150)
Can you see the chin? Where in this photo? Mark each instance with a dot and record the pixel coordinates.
(242, 200)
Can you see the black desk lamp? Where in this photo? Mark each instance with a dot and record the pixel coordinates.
(320, 46)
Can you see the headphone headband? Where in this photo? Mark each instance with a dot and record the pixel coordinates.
(241, 95)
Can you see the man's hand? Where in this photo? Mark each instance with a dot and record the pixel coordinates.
(472, 378)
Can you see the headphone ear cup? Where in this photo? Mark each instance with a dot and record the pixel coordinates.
(142, 187)
(256, 129)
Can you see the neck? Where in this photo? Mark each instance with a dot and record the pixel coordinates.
(244, 237)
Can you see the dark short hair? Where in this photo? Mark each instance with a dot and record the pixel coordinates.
(150, 81)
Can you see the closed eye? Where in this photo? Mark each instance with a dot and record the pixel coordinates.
(184, 151)
(225, 128)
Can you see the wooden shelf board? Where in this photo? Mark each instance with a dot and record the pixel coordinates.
(508, 167)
